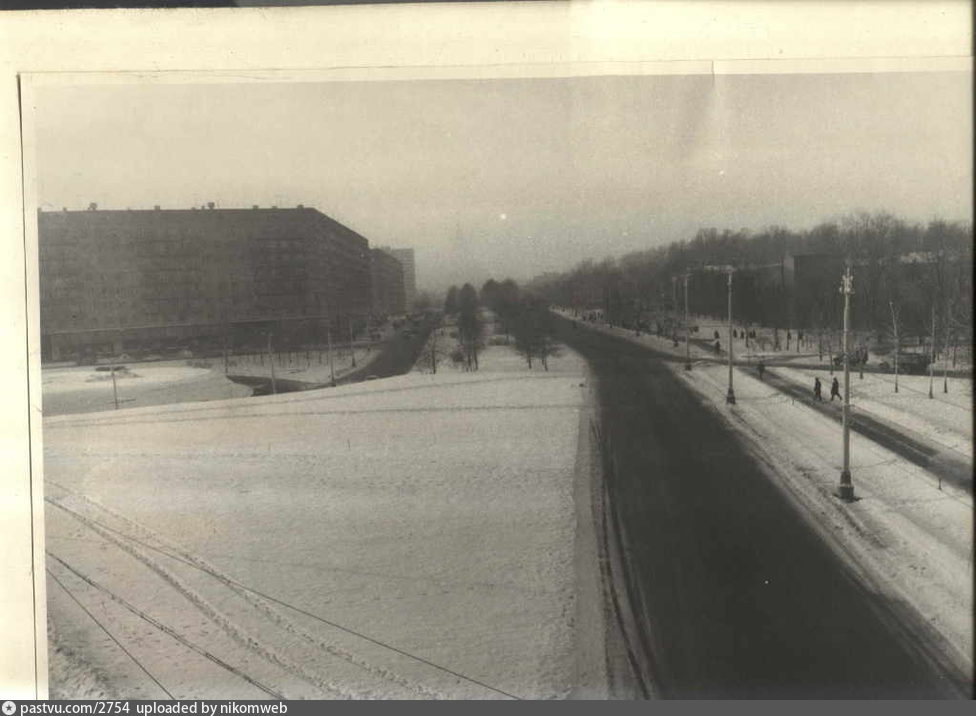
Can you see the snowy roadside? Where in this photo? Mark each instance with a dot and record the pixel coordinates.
(312, 366)
(425, 526)
(910, 542)
(945, 419)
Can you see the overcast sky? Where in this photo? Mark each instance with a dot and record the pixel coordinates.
(516, 177)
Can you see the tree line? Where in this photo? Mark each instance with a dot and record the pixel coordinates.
(910, 279)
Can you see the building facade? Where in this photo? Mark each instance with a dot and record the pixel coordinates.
(388, 284)
(406, 259)
(129, 281)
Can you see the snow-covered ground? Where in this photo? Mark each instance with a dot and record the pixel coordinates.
(946, 418)
(911, 541)
(86, 390)
(411, 537)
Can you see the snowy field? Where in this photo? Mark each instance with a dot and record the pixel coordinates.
(911, 541)
(411, 537)
(85, 390)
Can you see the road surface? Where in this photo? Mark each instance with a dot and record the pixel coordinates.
(737, 596)
(397, 356)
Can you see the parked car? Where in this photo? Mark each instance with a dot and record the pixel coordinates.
(908, 363)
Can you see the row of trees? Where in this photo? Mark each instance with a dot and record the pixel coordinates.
(462, 304)
(910, 279)
(519, 317)
(524, 317)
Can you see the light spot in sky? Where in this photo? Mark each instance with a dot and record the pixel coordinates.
(503, 216)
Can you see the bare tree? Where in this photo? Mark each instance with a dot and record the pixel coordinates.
(469, 324)
(894, 327)
(546, 348)
(432, 352)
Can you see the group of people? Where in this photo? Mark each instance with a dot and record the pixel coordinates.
(834, 390)
(817, 385)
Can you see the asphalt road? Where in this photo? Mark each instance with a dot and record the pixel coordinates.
(738, 597)
(397, 356)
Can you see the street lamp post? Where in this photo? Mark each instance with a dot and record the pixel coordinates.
(932, 354)
(730, 396)
(352, 348)
(845, 490)
(687, 328)
(274, 385)
(115, 389)
(331, 360)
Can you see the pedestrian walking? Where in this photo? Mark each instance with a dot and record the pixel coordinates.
(817, 390)
(761, 368)
(835, 391)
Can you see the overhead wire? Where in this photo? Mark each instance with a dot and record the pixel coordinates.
(165, 629)
(108, 633)
(239, 585)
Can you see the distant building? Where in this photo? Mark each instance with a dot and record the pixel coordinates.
(123, 281)
(406, 259)
(389, 297)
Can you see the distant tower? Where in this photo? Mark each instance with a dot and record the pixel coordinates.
(405, 257)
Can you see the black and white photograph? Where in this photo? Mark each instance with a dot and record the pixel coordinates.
(572, 385)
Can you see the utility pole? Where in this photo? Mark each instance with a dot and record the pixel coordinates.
(846, 488)
(274, 386)
(894, 326)
(331, 361)
(687, 327)
(352, 348)
(730, 396)
(115, 389)
(674, 295)
(945, 349)
(932, 354)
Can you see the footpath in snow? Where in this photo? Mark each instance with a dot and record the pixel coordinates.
(910, 541)
(411, 537)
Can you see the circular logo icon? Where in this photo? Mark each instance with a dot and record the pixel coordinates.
(9, 707)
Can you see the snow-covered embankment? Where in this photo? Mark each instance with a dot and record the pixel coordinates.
(404, 538)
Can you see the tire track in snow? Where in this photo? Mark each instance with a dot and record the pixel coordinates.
(154, 623)
(236, 633)
(258, 603)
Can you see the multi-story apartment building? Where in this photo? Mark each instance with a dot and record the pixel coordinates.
(114, 281)
(388, 284)
(406, 259)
